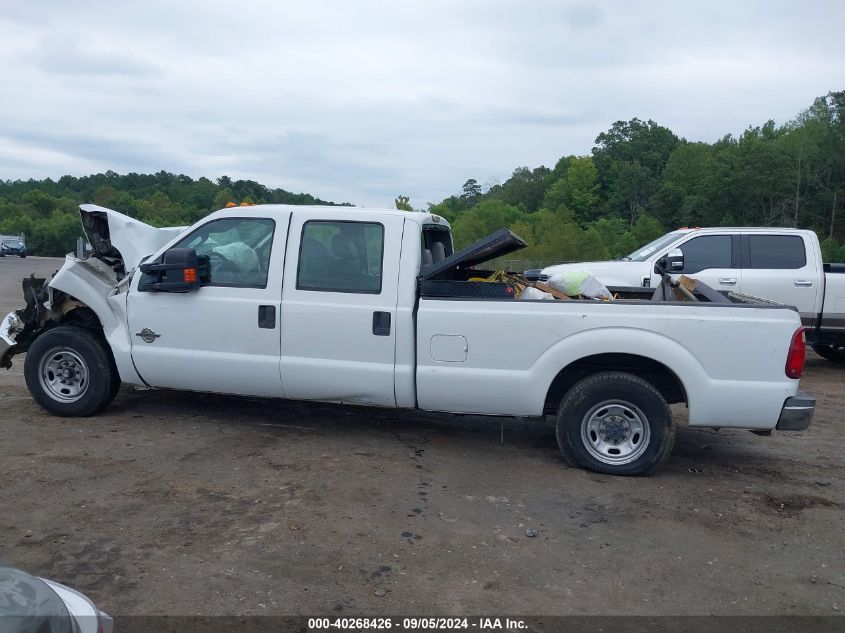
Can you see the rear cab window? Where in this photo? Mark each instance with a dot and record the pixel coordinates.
(784, 252)
(435, 244)
(341, 256)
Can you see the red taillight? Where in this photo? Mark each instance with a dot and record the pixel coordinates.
(795, 357)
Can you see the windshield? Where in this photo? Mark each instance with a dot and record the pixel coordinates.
(643, 253)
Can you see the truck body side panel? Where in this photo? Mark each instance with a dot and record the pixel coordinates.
(740, 382)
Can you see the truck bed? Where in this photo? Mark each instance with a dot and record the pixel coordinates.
(739, 382)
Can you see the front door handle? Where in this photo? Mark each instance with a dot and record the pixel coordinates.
(267, 317)
(803, 282)
(381, 323)
(727, 281)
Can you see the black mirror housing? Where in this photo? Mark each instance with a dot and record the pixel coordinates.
(179, 271)
(671, 262)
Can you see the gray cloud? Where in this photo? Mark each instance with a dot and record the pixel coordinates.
(583, 15)
(66, 56)
(363, 101)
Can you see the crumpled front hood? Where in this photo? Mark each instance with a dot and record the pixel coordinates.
(117, 236)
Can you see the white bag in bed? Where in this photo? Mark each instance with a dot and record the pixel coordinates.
(579, 282)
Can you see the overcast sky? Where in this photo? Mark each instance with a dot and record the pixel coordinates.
(361, 101)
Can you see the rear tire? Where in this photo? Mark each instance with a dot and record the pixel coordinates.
(70, 372)
(615, 423)
(833, 353)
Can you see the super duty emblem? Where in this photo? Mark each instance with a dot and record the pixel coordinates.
(147, 335)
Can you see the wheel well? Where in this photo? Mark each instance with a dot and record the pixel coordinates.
(652, 371)
(79, 314)
(83, 316)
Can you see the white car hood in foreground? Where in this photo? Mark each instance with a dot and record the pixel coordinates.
(132, 238)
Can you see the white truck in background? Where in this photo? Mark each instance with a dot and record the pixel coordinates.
(373, 307)
(783, 265)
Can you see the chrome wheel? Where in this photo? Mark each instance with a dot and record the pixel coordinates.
(63, 374)
(615, 432)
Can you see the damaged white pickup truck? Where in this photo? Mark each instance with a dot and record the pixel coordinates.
(373, 307)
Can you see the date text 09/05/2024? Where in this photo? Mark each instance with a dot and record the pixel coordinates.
(417, 624)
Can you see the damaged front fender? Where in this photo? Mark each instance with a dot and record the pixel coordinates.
(85, 293)
(19, 328)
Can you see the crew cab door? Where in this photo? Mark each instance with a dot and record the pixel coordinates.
(339, 308)
(225, 336)
(714, 259)
(778, 267)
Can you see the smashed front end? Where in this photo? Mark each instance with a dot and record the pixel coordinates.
(45, 306)
(19, 328)
(86, 292)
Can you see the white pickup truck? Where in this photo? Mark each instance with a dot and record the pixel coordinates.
(784, 265)
(372, 307)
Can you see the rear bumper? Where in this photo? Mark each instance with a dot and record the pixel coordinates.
(797, 413)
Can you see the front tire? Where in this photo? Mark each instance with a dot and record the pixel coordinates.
(833, 353)
(69, 372)
(615, 423)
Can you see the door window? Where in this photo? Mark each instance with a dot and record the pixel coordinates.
(238, 250)
(776, 251)
(341, 257)
(707, 251)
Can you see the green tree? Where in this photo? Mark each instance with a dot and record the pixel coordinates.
(526, 187)
(484, 218)
(647, 143)
(583, 187)
(222, 198)
(629, 159)
(40, 202)
(403, 203)
(647, 229)
(471, 192)
(631, 185)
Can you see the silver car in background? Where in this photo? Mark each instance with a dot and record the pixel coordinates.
(12, 247)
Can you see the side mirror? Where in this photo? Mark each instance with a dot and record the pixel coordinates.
(179, 271)
(671, 262)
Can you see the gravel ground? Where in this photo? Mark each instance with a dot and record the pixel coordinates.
(178, 503)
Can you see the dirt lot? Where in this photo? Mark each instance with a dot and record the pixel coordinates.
(181, 503)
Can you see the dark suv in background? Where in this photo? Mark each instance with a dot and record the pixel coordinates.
(12, 247)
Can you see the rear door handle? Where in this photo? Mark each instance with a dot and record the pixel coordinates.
(381, 323)
(803, 282)
(267, 317)
(727, 281)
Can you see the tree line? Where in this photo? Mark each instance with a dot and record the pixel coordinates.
(641, 180)
(47, 211)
